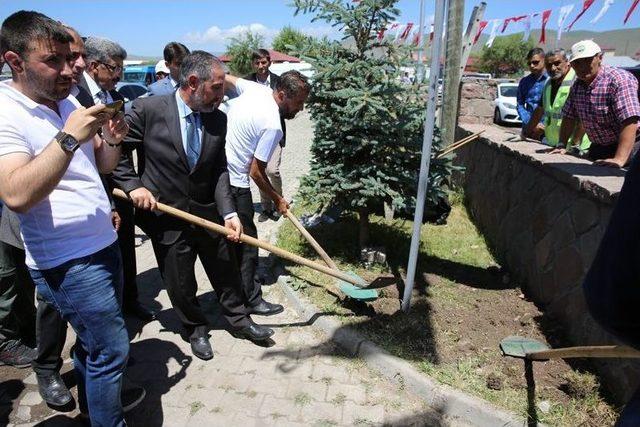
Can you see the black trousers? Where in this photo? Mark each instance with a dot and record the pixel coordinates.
(176, 263)
(17, 308)
(247, 255)
(126, 241)
(51, 333)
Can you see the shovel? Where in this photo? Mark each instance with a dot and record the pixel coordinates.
(532, 350)
(216, 228)
(345, 288)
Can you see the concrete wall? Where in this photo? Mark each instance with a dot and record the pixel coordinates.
(544, 216)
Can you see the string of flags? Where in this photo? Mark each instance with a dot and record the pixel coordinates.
(404, 33)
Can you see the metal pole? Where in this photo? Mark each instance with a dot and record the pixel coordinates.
(420, 67)
(426, 153)
(474, 22)
(452, 71)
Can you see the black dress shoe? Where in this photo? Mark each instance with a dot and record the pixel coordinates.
(138, 310)
(253, 332)
(201, 348)
(265, 309)
(53, 390)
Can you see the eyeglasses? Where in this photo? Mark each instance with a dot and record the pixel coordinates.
(534, 62)
(111, 68)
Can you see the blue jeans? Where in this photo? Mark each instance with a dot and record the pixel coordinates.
(87, 292)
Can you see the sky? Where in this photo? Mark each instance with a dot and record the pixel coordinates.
(143, 27)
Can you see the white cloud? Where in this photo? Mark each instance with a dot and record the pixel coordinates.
(215, 38)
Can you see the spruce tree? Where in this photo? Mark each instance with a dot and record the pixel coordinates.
(368, 125)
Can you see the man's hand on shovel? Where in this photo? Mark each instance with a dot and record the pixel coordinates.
(234, 225)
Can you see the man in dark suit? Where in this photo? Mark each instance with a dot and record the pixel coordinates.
(261, 61)
(180, 140)
(173, 53)
(104, 59)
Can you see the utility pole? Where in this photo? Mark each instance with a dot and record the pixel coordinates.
(425, 158)
(420, 67)
(452, 71)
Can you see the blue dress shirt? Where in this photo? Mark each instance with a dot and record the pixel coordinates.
(529, 96)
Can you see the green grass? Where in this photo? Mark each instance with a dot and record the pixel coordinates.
(456, 253)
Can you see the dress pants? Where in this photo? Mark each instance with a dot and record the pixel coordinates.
(126, 241)
(176, 263)
(17, 310)
(273, 173)
(51, 334)
(247, 255)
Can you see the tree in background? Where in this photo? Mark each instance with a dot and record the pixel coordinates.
(290, 41)
(239, 49)
(368, 125)
(507, 55)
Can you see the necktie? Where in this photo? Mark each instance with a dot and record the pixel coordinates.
(193, 142)
(102, 95)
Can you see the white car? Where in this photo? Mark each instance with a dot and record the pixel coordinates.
(505, 104)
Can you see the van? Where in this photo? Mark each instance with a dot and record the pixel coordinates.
(143, 74)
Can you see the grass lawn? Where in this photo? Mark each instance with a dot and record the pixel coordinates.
(462, 306)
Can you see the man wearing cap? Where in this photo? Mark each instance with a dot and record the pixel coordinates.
(161, 70)
(604, 100)
(173, 53)
(554, 96)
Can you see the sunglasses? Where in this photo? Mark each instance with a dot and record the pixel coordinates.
(534, 62)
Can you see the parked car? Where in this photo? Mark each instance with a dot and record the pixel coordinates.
(505, 104)
(143, 74)
(131, 91)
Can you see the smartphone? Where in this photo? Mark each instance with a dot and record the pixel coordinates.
(113, 107)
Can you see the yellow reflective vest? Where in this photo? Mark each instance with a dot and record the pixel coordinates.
(553, 111)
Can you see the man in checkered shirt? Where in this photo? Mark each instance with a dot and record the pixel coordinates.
(604, 101)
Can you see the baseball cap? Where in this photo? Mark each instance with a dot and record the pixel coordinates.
(161, 67)
(584, 49)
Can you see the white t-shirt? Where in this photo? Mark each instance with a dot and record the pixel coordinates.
(75, 219)
(253, 130)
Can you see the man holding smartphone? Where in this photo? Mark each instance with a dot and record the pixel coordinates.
(50, 160)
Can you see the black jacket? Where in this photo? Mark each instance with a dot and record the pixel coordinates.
(154, 131)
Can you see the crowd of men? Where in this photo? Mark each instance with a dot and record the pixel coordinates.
(64, 146)
(576, 103)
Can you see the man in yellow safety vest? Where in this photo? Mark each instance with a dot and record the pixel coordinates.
(554, 95)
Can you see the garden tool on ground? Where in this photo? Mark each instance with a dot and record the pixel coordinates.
(458, 144)
(345, 288)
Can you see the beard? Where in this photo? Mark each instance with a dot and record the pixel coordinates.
(54, 90)
(200, 104)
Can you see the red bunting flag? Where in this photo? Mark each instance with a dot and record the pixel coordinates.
(630, 11)
(545, 18)
(585, 5)
(512, 19)
(481, 27)
(406, 32)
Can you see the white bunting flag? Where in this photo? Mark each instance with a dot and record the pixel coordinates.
(526, 23)
(564, 14)
(607, 4)
(495, 24)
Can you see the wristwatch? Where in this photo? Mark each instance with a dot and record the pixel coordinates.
(67, 142)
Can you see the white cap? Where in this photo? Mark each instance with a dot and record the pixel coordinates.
(161, 67)
(584, 49)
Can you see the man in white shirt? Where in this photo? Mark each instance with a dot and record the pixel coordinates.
(253, 133)
(50, 160)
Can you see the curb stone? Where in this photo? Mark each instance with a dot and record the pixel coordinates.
(450, 402)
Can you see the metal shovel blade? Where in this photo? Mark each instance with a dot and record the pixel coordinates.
(519, 347)
(354, 292)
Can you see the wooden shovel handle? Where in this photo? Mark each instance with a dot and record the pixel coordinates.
(311, 240)
(608, 351)
(459, 144)
(216, 228)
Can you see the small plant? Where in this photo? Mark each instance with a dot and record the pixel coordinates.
(195, 407)
(339, 399)
(580, 385)
(302, 399)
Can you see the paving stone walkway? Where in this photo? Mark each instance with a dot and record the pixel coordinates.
(302, 378)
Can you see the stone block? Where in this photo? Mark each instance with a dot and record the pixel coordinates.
(584, 214)
(562, 231)
(481, 108)
(31, 398)
(339, 392)
(568, 270)
(471, 90)
(544, 252)
(354, 414)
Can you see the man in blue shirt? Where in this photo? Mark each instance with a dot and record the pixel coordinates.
(531, 87)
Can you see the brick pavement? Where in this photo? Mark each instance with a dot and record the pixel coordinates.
(301, 379)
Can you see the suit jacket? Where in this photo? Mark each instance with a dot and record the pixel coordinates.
(154, 130)
(85, 99)
(273, 80)
(161, 87)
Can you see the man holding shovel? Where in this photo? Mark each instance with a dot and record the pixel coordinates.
(254, 131)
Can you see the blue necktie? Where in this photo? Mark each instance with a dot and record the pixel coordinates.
(193, 142)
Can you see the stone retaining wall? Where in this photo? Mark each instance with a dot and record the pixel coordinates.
(544, 217)
(476, 96)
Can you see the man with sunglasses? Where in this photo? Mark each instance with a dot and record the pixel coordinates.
(530, 87)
